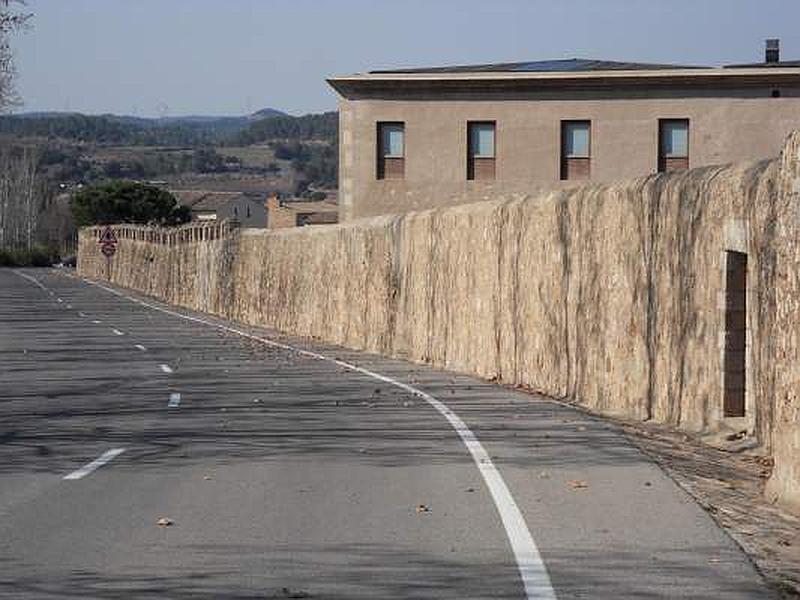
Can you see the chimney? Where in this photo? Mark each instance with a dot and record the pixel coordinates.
(773, 52)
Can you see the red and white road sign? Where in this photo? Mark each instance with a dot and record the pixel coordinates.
(108, 242)
(108, 236)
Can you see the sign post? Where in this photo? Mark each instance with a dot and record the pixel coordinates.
(108, 246)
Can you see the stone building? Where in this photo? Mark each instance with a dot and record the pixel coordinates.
(298, 212)
(418, 138)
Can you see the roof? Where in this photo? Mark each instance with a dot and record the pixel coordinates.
(206, 201)
(560, 75)
(570, 65)
(316, 206)
(766, 65)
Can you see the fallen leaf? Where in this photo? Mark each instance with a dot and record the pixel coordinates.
(422, 508)
(577, 484)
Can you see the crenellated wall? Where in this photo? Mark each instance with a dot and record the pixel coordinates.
(611, 295)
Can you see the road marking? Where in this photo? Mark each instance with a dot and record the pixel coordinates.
(34, 281)
(69, 305)
(174, 400)
(531, 568)
(117, 332)
(96, 322)
(81, 314)
(98, 462)
(166, 368)
(139, 347)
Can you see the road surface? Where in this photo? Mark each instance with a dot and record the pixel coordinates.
(284, 471)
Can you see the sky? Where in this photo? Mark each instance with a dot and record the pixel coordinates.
(233, 57)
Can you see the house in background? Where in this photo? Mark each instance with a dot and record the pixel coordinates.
(420, 138)
(298, 212)
(218, 206)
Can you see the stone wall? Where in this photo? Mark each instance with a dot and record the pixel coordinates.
(784, 485)
(609, 295)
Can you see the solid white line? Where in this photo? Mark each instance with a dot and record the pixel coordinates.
(529, 561)
(104, 458)
(174, 400)
(117, 332)
(35, 281)
(166, 368)
(139, 347)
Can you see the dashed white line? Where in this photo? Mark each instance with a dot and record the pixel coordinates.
(96, 322)
(117, 332)
(166, 368)
(139, 347)
(532, 570)
(174, 400)
(104, 458)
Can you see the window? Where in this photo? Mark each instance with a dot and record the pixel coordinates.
(673, 145)
(391, 151)
(735, 362)
(480, 150)
(576, 147)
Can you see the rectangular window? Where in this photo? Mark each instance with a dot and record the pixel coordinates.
(673, 145)
(735, 361)
(481, 150)
(576, 149)
(391, 151)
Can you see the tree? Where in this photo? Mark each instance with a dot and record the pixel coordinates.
(20, 197)
(10, 21)
(127, 202)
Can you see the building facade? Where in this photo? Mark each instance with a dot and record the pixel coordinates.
(422, 138)
(300, 212)
(206, 205)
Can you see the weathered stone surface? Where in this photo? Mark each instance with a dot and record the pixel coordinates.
(607, 294)
(784, 485)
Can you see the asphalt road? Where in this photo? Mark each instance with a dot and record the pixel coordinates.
(288, 476)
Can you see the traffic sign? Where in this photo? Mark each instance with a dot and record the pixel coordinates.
(108, 249)
(108, 236)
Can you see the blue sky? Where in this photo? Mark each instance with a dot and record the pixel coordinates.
(177, 57)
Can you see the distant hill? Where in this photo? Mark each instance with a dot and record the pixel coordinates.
(126, 129)
(322, 126)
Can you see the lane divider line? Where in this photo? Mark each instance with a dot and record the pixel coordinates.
(98, 462)
(140, 347)
(35, 281)
(174, 400)
(166, 368)
(530, 565)
(96, 322)
(117, 332)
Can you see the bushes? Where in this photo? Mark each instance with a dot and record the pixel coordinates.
(38, 256)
